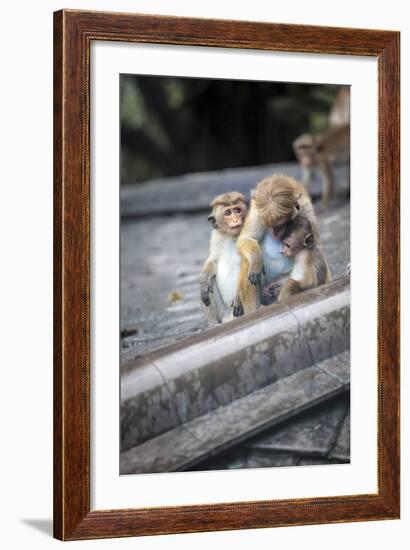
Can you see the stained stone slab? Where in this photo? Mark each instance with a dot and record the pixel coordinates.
(270, 405)
(146, 406)
(338, 366)
(327, 331)
(168, 452)
(319, 461)
(229, 366)
(208, 371)
(341, 450)
(311, 433)
(243, 458)
(203, 437)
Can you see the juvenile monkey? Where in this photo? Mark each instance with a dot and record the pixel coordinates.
(310, 268)
(219, 275)
(276, 201)
(319, 150)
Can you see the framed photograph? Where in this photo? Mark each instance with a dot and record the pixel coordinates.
(226, 275)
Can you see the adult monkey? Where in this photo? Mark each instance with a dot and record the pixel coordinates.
(276, 200)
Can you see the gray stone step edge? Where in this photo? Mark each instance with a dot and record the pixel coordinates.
(185, 446)
(194, 192)
(180, 382)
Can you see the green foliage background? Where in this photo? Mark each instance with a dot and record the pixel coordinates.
(172, 126)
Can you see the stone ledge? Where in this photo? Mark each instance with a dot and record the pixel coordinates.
(178, 383)
(187, 445)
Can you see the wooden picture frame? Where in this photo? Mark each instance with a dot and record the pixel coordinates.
(74, 32)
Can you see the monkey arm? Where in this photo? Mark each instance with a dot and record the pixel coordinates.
(247, 297)
(205, 280)
(249, 248)
(289, 288)
(272, 290)
(251, 252)
(210, 267)
(327, 180)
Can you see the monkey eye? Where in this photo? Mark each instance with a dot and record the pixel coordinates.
(287, 245)
(237, 210)
(227, 213)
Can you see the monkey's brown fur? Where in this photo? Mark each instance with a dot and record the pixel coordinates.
(320, 149)
(220, 273)
(276, 200)
(310, 269)
(227, 199)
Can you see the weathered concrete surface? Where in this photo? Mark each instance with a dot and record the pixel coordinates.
(305, 439)
(194, 192)
(242, 457)
(210, 370)
(161, 258)
(228, 425)
(312, 434)
(338, 367)
(341, 451)
(164, 255)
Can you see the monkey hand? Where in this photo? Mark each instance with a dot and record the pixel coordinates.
(237, 307)
(272, 290)
(255, 273)
(254, 277)
(205, 291)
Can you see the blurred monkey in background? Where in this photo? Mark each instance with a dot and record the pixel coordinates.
(320, 150)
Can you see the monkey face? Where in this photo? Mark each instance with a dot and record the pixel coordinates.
(297, 236)
(228, 219)
(291, 248)
(232, 218)
(294, 243)
(306, 150)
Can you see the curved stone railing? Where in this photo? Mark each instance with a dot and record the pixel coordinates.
(186, 380)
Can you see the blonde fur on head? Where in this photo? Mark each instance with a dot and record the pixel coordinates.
(226, 199)
(275, 198)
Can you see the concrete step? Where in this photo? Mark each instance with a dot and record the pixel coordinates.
(311, 437)
(190, 378)
(188, 444)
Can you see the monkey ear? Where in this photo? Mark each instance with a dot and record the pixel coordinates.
(309, 240)
(212, 219)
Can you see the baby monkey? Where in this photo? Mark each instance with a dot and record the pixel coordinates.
(310, 268)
